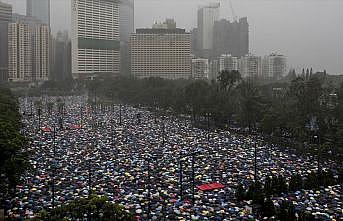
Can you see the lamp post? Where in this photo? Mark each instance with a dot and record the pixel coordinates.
(54, 169)
(89, 173)
(255, 161)
(208, 126)
(120, 106)
(313, 126)
(163, 130)
(39, 117)
(180, 176)
(149, 183)
(193, 176)
(81, 116)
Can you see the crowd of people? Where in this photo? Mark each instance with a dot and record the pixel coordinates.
(152, 164)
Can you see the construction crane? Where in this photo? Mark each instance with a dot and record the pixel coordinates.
(234, 16)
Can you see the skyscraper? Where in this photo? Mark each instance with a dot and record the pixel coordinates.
(274, 66)
(28, 49)
(5, 18)
(200, 68)
(127, 10)
(19, 52)
(231, 37)
(61, 56)
(164, 53)
(228, 63)
(207, 15)
(39, 9)
(250, 66)
(126, 28)
(95, 38)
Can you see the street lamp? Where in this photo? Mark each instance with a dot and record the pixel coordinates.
(255, 161)
(193, 176)
(163, 130)
(149, 185)
(313, 126)
(120, 107)
(54, 169)
(180, 175)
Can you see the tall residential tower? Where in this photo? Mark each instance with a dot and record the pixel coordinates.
(207, 16)
(28, 49)
(5, 18)
(126, 27)
(95, 38)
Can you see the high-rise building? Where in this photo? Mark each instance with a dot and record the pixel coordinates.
(274, 66)
(5, 12)
(5, 18)
(164, 53)
(228, 63)
(125, 29)
(40, 52)
(61, 57)
(250, 66)
(195, 39)
(19, 52)
(39, 9)
(127, 10)
(28, 49)
(231, 37)
(200, 68)
(95, 38)
(207, 15)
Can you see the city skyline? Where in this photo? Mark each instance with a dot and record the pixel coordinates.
(276, 26)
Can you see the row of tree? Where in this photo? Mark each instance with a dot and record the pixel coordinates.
(92, 208)
(286, 211)
(305, 110)
(13, 157)
(277, 185)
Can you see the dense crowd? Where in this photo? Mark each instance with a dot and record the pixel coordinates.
(138, 159)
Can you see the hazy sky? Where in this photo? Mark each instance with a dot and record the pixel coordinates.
(308, 32)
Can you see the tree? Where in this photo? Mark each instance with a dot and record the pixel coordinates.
(251, 104)
(268, 208)
(13, 159)
(197, 97)
(296, 183)
(286, 211)
(228, 79)
(94, 208)
(240, 192)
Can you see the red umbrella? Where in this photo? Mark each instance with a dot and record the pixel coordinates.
(210, 186)
(46, 129)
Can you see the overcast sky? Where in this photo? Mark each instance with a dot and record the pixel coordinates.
(308, 32)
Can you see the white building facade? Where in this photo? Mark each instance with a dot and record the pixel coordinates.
(19, 52)
(28, 49)
(40, 52)
(250, 66)
(228, 63)
(274, 66)
(207, 15)
(95, 38)
(200, 68)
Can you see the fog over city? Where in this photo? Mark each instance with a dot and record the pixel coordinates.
(152, 110)
(307, 31)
